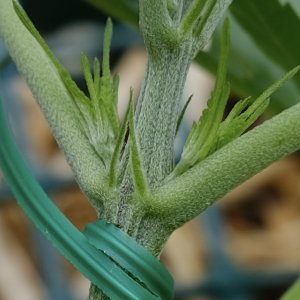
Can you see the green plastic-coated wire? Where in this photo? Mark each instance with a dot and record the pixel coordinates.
(125, 251)
(103, 270)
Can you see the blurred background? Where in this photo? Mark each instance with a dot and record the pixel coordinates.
(247, 246)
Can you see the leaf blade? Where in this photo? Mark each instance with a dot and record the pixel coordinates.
(138, 174)
(269, 31)
(123, 10)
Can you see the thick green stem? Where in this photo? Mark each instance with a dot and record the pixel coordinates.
(53, 98)
(157, 115)
(158, 108)
(156, 119)
(189, 194)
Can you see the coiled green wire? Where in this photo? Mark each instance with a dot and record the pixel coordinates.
(118, 256)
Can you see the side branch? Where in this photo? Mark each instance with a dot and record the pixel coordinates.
(53, 97)
(189, 194)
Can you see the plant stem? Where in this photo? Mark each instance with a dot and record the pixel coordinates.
(158, 107)
(53, 98)
(156, 119)
(189, 194)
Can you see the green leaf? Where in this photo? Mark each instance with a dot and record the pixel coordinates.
(109, 85)
(208, 9)
(119, 146)
(275, 30)
(245, 113)
(97, 117)
(97, 70)
(235, 124)
(210, 133)
(123, 10)
(214, 12)
(51, 87)
(88, 77)
(63, 73)
(204, 132)
(138, 174)
(268, 92)
(96, 124)
(183, 112)
(81, 102)
(100, 112)
(250, 71)
(292, 293)
(191, 17)
(106, 47)
(175, 9)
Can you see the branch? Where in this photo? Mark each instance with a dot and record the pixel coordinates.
(186, 196)
(54, 98)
